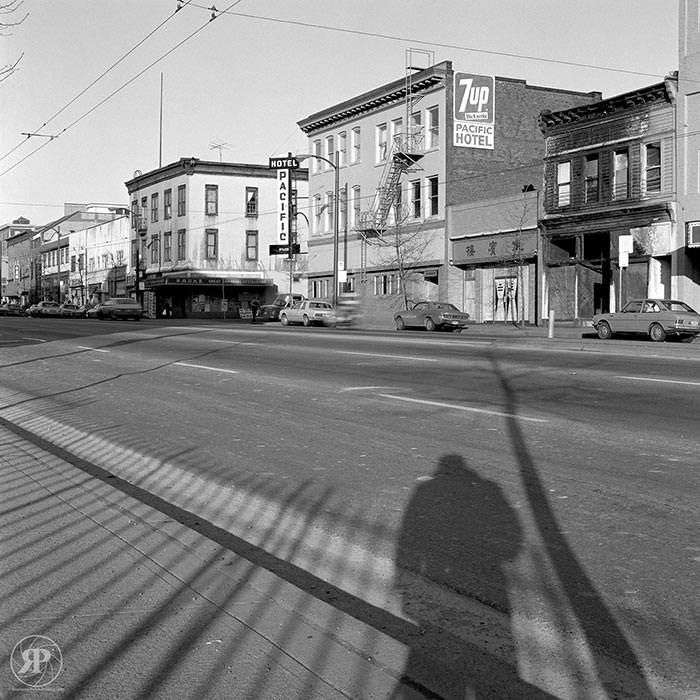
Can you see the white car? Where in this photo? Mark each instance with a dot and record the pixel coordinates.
(308, 312)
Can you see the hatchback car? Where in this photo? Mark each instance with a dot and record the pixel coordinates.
(433, 316)
(308, 313)
(44, 308)
(657, 318)
(119, 307)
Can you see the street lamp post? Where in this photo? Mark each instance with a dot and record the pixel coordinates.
(141, 228)
(336, 214)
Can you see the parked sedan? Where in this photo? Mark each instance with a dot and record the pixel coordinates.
(432, 315)
(11, 309)
(657, 318)
(44, 308)
(69, 311)
(119, 307)
(308, 312)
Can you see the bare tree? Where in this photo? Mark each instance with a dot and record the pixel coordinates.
(7, 9)
(402, 247)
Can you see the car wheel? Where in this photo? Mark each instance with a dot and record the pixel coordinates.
(306, 321)
(430, 324)
(284, 320)
(604, 330)
(657, 333)
(400, 325)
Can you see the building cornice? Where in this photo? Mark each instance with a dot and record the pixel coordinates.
(664, 92)
(192, 166)
(380, 97)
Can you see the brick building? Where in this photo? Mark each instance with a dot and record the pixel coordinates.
(412, 157)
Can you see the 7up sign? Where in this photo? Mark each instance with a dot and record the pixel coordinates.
(474, 118)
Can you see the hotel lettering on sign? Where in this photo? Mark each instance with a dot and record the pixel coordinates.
(474, 111)
(284, 180)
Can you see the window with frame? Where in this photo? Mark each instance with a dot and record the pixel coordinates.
(433, 196)
(167, 204)
(416, 199)
(316, 162)
(134, 212)
(120, 258)
(416, 123)
(342, 149)
(433, 119)
(564, 184)
(383, 284)
(211, 237)
(355, 145)
(211, 200)
(591, 179)
(330, 152)
(317, 213)
(182, 200)
(328, 210)
(167, 246)
(144, 207)
(652, 167)
(155, 249)
(343, 209)
(251, 245)
(319, 289)
(182, 244)
(396, 129)
(381, 139)
(251, 201)
(154, 207)
(621, 174)
(356, 206)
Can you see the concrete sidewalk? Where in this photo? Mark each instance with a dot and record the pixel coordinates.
(142, 606)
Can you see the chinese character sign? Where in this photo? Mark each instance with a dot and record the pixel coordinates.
(474, 110)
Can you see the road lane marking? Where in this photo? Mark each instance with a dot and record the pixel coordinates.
(470, 409)
(662, 381)
(85, 347)
(388, 357)
(213, 369)
(38, 340)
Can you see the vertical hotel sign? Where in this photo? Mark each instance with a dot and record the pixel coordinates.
(474, 115)
(284, 167)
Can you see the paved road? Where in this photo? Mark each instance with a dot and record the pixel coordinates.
(525, 504)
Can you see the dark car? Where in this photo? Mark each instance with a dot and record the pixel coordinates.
(271, 312)
(11, 309)
(433, 316)
(656, 318)
(119, 307)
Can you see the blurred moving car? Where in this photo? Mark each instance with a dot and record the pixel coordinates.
(119, 307)
(433, 316)
(271, 312)
(44, 308)
(11, 309)
(308, 312)
(69, 311)
(657, 318)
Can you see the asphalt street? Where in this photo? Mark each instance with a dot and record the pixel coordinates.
(494, 512)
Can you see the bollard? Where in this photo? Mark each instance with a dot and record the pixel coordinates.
(550, 332)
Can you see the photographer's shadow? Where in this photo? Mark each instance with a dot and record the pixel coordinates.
(460, 533)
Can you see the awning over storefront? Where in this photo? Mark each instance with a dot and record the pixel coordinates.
(496, 248)
(196, 279)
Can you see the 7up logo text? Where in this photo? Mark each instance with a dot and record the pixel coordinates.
(474, 97)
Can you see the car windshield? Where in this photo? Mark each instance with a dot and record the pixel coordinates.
(319, 305)
(447, 307)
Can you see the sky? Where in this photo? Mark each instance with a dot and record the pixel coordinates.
(234, 88)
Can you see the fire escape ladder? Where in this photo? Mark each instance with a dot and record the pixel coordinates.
(406, 151)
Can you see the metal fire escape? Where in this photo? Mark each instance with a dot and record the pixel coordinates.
(407, 148)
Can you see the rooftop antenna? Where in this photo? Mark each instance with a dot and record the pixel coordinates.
(219, 145)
